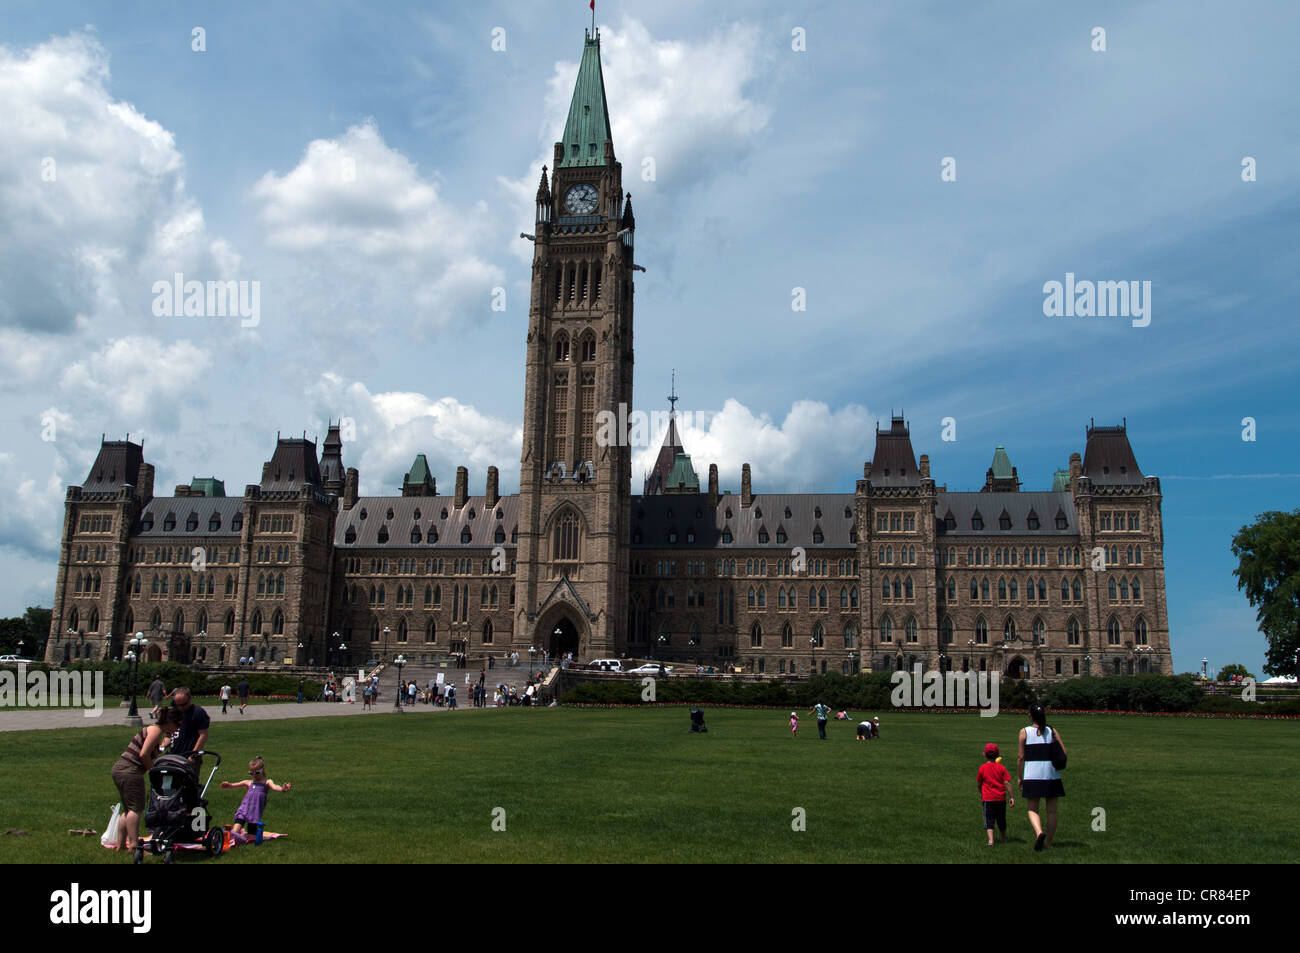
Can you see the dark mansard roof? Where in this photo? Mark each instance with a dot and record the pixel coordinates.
(355, 530)
(654, 518)
(117, 464)
(154, 521)
(1108, 457)
(991, 506)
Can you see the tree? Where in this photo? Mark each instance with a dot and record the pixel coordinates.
(1268, 570)
(1228, 671)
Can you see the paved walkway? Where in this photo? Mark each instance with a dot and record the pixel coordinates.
(39, 718)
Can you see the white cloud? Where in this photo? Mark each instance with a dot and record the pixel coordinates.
(681, 103)
(93, 207)
(812, 448)
(392, 427)
(140, 378)
(364, 208)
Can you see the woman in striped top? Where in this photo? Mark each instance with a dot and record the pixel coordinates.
(130, 769)
(1038, 777)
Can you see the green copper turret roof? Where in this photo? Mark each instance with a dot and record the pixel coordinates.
(419, 474)
(1001, 464)
(682, 476)
(208, 486)
(1061, 481)
(587, 128)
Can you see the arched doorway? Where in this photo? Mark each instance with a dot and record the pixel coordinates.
(154, 653)
(1017, 668)
(563, 638)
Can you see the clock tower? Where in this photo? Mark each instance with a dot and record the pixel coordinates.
(575, 476)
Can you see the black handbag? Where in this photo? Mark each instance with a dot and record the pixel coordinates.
(1057, 753)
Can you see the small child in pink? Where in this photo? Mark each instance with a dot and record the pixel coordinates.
(794, 725)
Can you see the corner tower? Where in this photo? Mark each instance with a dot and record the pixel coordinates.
(574, 484)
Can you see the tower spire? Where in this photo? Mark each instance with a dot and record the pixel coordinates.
(673, 398)
(587, 130)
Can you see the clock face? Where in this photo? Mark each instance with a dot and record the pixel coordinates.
(581, 200)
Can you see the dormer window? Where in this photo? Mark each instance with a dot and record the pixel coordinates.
(1061, 522)
(192, 522)
(214, 523)
(351, 535)
(977, 522)
(690, 534)
(817, 535)
(444, 512)
(383, 534)
(728, 512)
(432, 536)
(169, 523)
(726, 534)
(762, 534)
(415, 534)
(390, 513)
(788, 514)
(1033, 520)
(499, 514)
(146, 524)
(780, 533)
(466, 536)
(472, 514)
(1004, 522)
(236, 522)
(417, 514)
(363, 512)
(949, 522)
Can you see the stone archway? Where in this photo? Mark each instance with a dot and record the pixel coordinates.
(1017, 668)
(561, 630)
(154, 653)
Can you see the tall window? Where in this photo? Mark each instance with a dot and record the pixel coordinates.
(587, 416)
(566, 537)
(560, 418)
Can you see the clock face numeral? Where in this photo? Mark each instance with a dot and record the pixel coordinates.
(581, 200)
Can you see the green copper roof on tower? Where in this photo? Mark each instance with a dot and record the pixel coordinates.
(587, 128)
(1001, 464)
(1061, 481)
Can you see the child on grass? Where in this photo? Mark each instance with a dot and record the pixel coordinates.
(254, 803)
(992, 780)
(794, 725)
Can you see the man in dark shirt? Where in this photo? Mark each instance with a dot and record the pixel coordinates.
(193, 734)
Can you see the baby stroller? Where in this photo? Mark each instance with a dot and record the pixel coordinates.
(177, 811)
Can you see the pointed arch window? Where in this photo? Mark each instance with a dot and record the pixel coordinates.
(565, 545)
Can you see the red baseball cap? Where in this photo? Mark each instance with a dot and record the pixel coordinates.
(990, 748)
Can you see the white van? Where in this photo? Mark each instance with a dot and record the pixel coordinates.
(606, 664)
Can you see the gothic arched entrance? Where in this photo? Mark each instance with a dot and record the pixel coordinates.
(563, 638)
(1017, 668)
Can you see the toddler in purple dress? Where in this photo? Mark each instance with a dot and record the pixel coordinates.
(249, 815)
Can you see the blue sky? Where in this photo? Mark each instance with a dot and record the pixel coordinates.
(775, 169)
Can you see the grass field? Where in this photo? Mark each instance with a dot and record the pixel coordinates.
(635, 785)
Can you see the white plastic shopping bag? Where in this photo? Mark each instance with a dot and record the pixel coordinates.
(109, 837)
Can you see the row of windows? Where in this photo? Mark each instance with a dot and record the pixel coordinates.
(1119, 521)
(268, 524)
(906, 555)
(405, 596)
(816, 639)
(192, 522)
(1005, 523)
(980, 636)
(96, 524)
(788, 599)
(586, 343)
(402, 633)
(895, 522)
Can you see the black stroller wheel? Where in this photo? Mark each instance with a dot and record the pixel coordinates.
(214, 841)
(137, 855)
(154, 847)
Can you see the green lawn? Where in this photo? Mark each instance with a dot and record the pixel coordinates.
(635, 785)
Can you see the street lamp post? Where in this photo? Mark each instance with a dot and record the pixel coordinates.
(133, 657)
(399, 662)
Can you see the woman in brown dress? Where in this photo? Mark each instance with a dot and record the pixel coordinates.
(130, 770)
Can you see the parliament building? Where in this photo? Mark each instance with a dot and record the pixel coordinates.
(302, 569)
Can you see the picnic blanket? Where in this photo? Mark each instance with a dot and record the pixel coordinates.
(267, 835)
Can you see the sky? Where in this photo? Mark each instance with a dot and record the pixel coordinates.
(908, 175)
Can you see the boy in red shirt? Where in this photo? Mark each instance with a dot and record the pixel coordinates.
(992, 779)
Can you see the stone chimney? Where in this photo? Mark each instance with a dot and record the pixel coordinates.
(1076, 470)
(462, 486)
(350, 484)
(713, 484)
(866, 470)
(925, 466)
(182, 490)
(492, 482)
(746, 489)
(144, 482)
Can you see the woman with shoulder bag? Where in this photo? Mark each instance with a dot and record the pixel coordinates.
(1041, 752)
(131, 768)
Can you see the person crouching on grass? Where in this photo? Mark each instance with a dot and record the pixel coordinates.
(992, 780)
(254, 803)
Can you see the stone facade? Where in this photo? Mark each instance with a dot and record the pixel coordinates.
(302, 569)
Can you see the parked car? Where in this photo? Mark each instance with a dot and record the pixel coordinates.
(13, 659)
(651, 669)
(606, 664)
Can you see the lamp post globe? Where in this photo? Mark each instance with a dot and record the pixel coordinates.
(399, 662)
